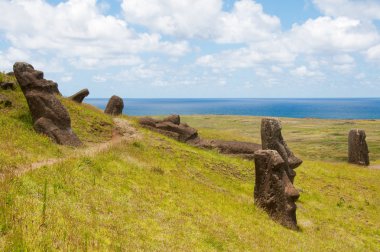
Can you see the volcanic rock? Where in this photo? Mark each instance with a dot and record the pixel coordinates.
(243, 149)
(274, 192)
(173, 119)
(271, 139)
(169, 127)
(7, 86)
(357, 147)
(49, 116)
(79, 96)
(115, 106)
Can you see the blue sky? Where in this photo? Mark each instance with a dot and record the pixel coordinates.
(198, 48)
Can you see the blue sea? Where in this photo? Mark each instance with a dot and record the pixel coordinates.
(357, 108)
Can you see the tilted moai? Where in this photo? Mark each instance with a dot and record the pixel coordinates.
(115, 106)
(271, 139)
(79, 96)
(274, 192)
(49, 116)
(275, 164)
(357, 147)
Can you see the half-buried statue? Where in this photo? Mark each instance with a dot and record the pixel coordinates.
(49, 116)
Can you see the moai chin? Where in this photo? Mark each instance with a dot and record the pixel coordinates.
(274, 191)
(271, 139)
(357, 147)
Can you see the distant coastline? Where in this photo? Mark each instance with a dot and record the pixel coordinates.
(323, 108)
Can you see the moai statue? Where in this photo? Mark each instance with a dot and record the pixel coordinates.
(49, 116)
(115, 106)
(357, 147)
(79, 96)
(271, 139)
(274, 191)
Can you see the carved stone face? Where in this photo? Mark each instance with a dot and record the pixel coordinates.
(274, 191)
(271, 138)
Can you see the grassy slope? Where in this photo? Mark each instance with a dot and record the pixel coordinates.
(312, 139)
(158, 194)
(21, 145)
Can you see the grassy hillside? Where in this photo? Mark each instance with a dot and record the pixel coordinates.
(155, 194)
(20, 144)
(312, 139)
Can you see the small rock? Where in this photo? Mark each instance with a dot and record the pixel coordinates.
(7, 86)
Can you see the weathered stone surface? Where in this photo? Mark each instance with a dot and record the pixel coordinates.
(173, 119)
(115, 106)
(79, 96)
(180, 132)
(274, 192)
(49, 116)
(271, 139)
(244, 149)
(5, 102)
(7, 86)
(357, 147)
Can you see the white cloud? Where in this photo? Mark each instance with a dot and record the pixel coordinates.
(331, 35)
(373, 53)
(203, 19)
(358, 9)
(181, 18)
(303, 71)
(247, 22)
(77, 30)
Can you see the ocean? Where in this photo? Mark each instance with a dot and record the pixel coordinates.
(355, 108)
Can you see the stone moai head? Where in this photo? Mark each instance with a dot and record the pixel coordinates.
(274, 191)
(271, 139)
(357, 147)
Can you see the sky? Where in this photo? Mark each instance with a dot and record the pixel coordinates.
(198, 48)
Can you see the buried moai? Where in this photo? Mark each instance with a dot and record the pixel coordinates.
(357, 147)
(271, 139)
(49, 116)
(79, 96)
(274, 192)
(115, 106)
(275, 164)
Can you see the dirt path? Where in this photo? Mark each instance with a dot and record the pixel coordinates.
(123, 132)
(377, 167)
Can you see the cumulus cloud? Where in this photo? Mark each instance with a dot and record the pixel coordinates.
(203, 19)
(358, 9)
(332, 34)
(373, 53)
(77, 29)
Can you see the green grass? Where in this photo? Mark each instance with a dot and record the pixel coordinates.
(312, 139)
(155, 194)
(21, 145)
